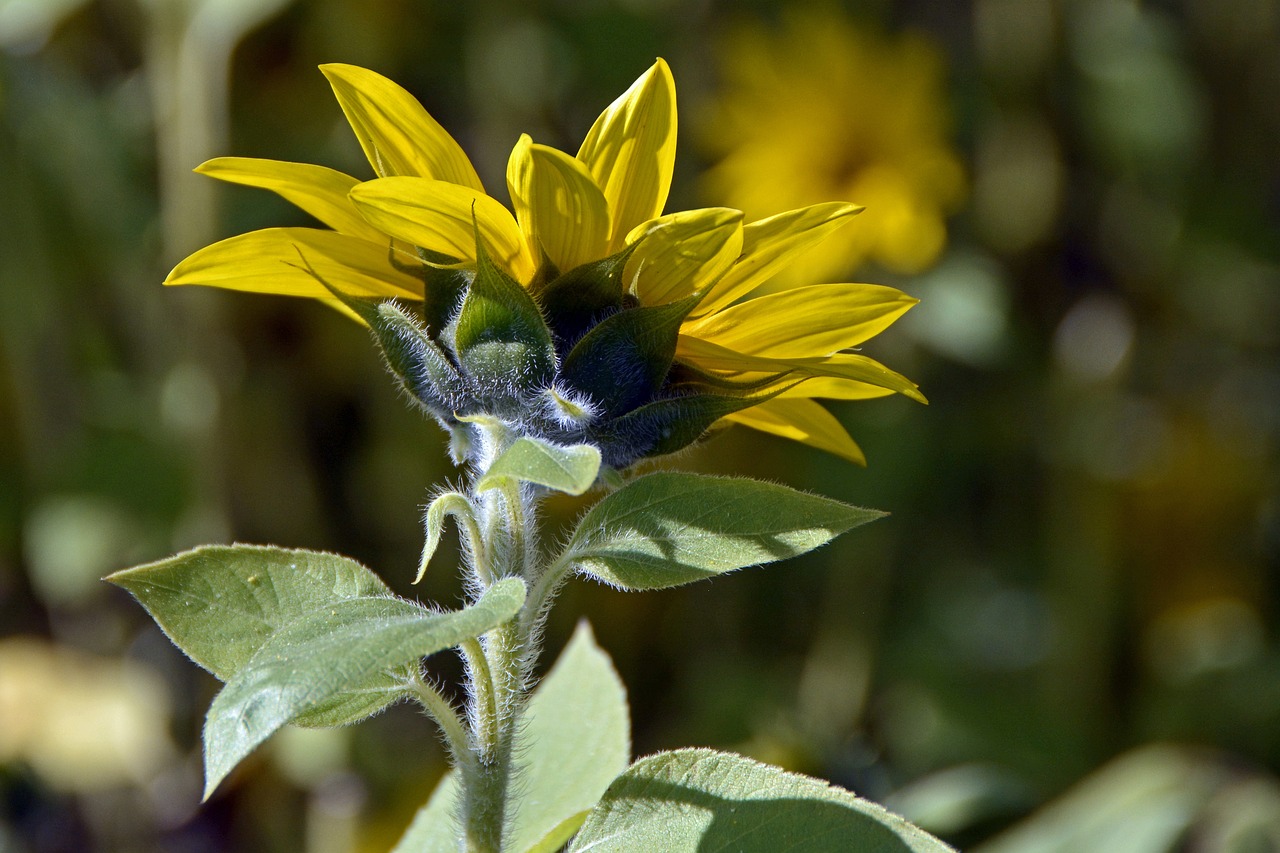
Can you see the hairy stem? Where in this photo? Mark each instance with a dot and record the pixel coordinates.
(441, 710)
(498, 673)
(517, 518)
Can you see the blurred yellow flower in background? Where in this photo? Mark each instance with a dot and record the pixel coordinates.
(821, 108)
(80, 721)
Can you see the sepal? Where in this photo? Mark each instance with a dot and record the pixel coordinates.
(500, 338)
(443, 284)
(582, 297)
(624, 360)
(665, 426)
(422, 368)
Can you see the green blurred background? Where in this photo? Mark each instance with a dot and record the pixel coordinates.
(1063, 639)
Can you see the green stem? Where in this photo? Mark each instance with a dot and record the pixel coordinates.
(533, 614)
(441, 710)
(498, 671)
(513, 498)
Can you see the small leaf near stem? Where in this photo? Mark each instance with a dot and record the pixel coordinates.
(460, 507)
(571, 470)
(517, 519)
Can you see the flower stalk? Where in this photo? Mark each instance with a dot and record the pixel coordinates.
(499, 665)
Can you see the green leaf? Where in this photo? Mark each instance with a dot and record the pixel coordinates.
(221, 603)
(566, 469)
(575, 739)
(565, 764)
(500, 334)
(344, 649)
(666, 529)
(701, 800)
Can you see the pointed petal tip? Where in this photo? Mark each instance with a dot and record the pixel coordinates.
(661, 71)
(333, 71)
(330, 69)
(836, 209)
(175, 277)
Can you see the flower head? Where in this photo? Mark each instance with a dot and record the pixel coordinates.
(581, 314)
(820, 108)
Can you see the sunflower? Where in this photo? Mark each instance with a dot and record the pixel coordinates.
(818, 107)
(580, 314)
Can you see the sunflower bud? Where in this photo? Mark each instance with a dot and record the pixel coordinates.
(578, 361)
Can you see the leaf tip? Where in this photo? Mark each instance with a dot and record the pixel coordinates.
(213, 776)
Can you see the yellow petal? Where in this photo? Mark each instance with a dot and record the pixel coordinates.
(832, 388)
(806, 321)
(398, 136)
(631, 151)
(268, 261)
(437, 215)
(849, 367)
(558, 205)
(769, 245)
(320, 191)
(804, 421)
(681, 253)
